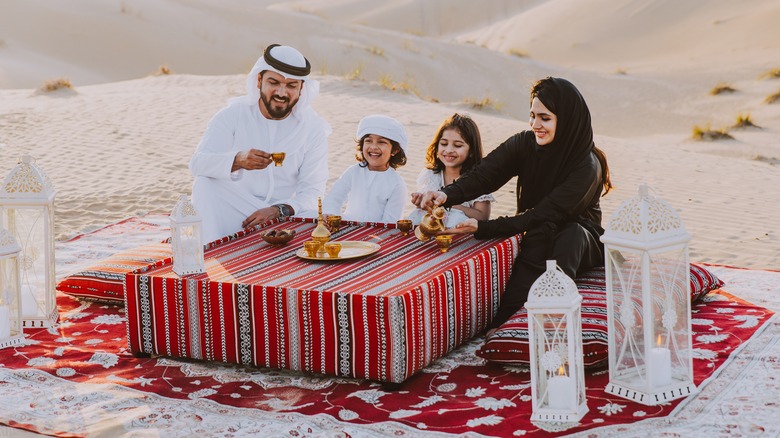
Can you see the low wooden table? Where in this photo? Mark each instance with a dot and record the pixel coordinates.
(382, 317)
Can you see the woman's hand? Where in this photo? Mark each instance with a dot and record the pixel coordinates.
(469, 226)
(428, 200)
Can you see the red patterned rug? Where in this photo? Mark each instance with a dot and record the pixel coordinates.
(78, 379)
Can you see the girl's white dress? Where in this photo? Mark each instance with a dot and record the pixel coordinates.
(428, 180)
(370, 196)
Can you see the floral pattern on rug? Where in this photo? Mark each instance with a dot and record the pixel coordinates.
(78, 379)
(458, 394)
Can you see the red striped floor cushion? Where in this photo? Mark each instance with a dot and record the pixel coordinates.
(104, 281)
(509, 344)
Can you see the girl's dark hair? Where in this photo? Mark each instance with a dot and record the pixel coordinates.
(397, 157)
(468, 129)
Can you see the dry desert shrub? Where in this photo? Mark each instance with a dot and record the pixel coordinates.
(771, 74)
(744, 121)
(356, 73)
(485, 103)
(56, 84)
(517, 52)
(709, 134)
(722, 88)
(772, 98)
(374, 50)
(405, 86)
(163, 70)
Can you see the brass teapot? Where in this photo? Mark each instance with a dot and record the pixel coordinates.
(431, 224)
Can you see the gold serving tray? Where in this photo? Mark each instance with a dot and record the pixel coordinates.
(350, 249)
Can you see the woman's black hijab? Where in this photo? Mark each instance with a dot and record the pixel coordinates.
(572, 143)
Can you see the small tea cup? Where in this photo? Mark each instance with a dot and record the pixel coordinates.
(278, 158)
(311, 247)
(404, 226)
(334, 222)
(444, 241)
(333, 249)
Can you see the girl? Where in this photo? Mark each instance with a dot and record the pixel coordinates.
(372, 190)
(456, 148)
(560, 177)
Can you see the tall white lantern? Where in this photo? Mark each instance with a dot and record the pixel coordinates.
(27, 204)
(648, 302)
(11, 332)
(555, 342)
(186, 229)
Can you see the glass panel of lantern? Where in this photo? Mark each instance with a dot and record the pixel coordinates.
(555, 335)
(11, 332)
(27, 204)
(186, 245)
(648, 302)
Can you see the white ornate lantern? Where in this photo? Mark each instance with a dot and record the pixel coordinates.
(648, 302)
(27, 204)
(187, 248)
(555, 342)
(10, 299)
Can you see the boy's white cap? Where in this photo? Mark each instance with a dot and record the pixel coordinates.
(385, 126)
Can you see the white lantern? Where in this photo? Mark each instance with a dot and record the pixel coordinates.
(648, 302)
(27, 204)
(555, 343)
(186, 229)
(10, 299)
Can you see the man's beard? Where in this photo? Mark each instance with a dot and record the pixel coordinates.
(279, 113)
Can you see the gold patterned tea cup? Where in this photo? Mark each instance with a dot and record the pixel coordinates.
(444, 241)
(333, 248)
(404, 226)
(311, 247)
(278, 158)
(334, 222)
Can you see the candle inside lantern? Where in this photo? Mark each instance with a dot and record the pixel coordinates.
(5, 322)
(29, 303)
(560, 391)
(660, 364)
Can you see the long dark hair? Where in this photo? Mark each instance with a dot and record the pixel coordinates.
(467, 128)
(550, 90)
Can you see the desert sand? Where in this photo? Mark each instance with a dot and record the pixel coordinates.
(117, 142)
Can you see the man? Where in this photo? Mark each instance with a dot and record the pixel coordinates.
(236, 185)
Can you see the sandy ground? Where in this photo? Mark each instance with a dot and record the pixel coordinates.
(117, 143)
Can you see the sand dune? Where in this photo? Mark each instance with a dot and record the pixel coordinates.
(117, 144)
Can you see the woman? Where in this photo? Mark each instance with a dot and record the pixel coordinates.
(560, 177)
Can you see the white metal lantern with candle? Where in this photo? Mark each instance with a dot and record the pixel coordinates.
(11, 332)
(186, 232)
(648, 302)
(27, 204)
(555, 343)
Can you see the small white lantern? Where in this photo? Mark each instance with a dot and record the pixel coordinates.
(27, 204)
(186, 229)
(555, 343)
(648, 302)
(11, 332)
